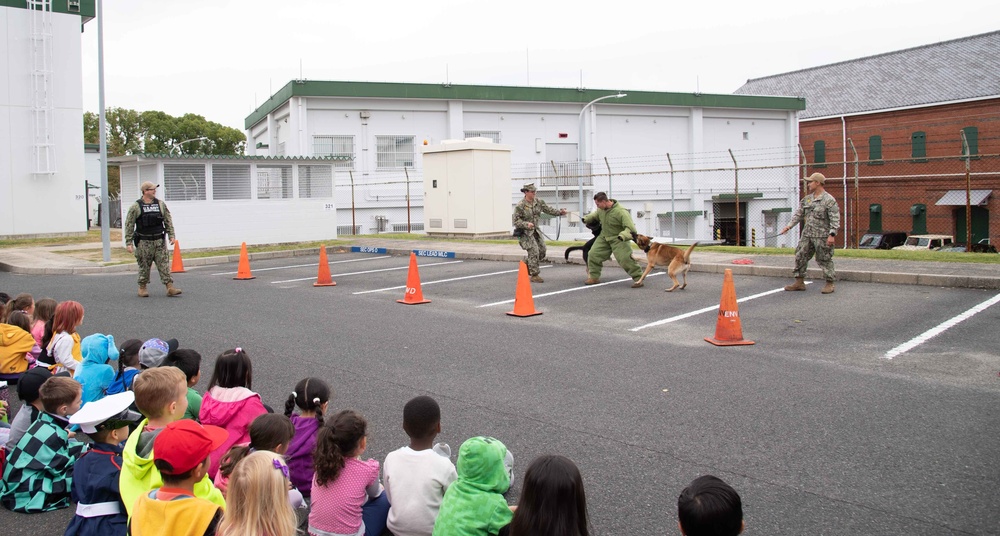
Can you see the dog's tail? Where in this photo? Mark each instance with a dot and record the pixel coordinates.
(687, 254)
(570, 250)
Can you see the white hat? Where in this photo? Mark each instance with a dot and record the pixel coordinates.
(112, 407)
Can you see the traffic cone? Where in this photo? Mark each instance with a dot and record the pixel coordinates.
(524, 304)
(323, 279)
(177, 264)
(413, 296)
(243, 272)
(728, 331)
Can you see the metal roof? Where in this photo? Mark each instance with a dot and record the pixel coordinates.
(957, 197)
(258, 158)
(956, 70)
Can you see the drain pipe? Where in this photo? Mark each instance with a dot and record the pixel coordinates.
(843, 145)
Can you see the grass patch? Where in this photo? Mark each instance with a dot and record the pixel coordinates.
(93, 235)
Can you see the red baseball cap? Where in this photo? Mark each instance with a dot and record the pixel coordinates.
(184, 444)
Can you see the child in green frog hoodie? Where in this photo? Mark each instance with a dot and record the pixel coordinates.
(474, 504)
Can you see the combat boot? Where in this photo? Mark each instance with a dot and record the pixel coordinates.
(828, 289)
(537, 279)
(143, 293)
(799, 284)
(592, 281)
(172, 290)
(637, 284)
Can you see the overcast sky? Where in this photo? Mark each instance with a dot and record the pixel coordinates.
(223, 58)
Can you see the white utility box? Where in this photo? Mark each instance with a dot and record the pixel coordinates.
(467, 189)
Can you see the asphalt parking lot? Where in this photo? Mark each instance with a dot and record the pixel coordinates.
(872, 410)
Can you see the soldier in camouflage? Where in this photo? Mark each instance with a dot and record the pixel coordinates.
(147, 223)
(821, 215)
(526, 228)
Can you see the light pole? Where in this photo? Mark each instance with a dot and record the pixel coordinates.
(178, 144)
(582, 149)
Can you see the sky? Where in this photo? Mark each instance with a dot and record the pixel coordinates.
(223, 58)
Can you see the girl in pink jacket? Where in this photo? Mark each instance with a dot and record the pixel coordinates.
(229, 402)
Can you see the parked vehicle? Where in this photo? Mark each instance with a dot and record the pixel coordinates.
(983, 246)
(928, 242)
(885, 240)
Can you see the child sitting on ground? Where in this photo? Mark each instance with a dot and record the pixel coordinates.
(311, 396)
(256, 504)
(16, 345)
(39, 472)
(45, 308)
(95, 374)
(483, 478)
(417, 476)
(710, 507)
(161, 395)
(64, 348)
(31, 404)
(128, 367)
(552, 500)
(181, 457)
(229, 401)
(189, 362)
(99, 508)
(347, 496)
(268, 432)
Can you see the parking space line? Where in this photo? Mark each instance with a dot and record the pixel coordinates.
(307, 265)
(425, 283)
(940, 328)
(407, 267)
(708, 309)
(574, 289)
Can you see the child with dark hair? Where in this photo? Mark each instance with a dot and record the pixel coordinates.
(181, 456)
(483, 478)
(45, 308)
(347, 496)
(417, 476)
(39, 473)
(128, 366)
(95, 374)
(229, 401)
(16, 345)
(270, 432)
(311, 396)
(189, 362)
(553, 501)
(710, 507)
(22, 302)
(31, 403)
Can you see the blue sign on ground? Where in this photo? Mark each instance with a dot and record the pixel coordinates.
(430, 253)
(367, 249)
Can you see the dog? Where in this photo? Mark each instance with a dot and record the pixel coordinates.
(675, 259)
(595, 227)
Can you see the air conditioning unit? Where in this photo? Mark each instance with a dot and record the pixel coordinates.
(640, 214)
(73, 6)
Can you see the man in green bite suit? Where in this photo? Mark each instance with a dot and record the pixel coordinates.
(617, 230)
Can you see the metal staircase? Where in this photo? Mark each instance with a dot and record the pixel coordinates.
(42, 128)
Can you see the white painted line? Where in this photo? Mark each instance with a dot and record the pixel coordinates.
(407, 267)
(425, 283)
(574, 289)
(940, 328)
(708, 309)
(307, 265)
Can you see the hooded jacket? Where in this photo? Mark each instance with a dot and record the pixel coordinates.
(94, 373)
(15, 343)
(474, 504)
(232, 408)
(139, 475)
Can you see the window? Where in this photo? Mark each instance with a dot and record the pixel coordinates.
(491, 134)
(230, 181)
(919, 144)
(393, 152)
(315, 181)
(184, 182)
(875, 150)
(972, 138)
(339, 146)
(819, 154)
(274, 182)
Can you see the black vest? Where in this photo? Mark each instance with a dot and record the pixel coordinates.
(149, 224)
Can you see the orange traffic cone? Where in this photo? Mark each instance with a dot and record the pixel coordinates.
(177, 264)
(728, 331)
(323, 279)
(414, 295)
(243, 272)
(524, 303)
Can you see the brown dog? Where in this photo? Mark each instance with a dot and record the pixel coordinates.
(675, 259)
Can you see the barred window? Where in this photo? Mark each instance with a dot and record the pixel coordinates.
(230, 181)
(338, 146)
(184, 182)
(393, 152)
(274, 182)
(819, 154)
(491, 134)
(315, 181)
(875, 150)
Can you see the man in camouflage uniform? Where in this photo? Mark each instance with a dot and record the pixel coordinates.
(821, 215)
(617, 230)
(526, 228)
(147, 223)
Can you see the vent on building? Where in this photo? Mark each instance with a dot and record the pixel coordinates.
(436, 223)
(381, 224)
(73, 6)
(461, 224)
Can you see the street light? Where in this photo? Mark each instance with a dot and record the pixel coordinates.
(582, 156)
(178, 145)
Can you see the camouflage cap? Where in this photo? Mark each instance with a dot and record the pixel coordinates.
(816, 177)
(530, 187)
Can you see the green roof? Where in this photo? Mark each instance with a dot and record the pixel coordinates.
(87, 8)
(776, 210)
(732, 196)
(394, 90)
(682, 213)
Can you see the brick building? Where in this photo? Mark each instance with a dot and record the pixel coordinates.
(892, 126)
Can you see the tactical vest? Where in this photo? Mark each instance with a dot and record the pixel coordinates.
(149, 224)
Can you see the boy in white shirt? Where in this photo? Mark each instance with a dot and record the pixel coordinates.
(417, 476)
